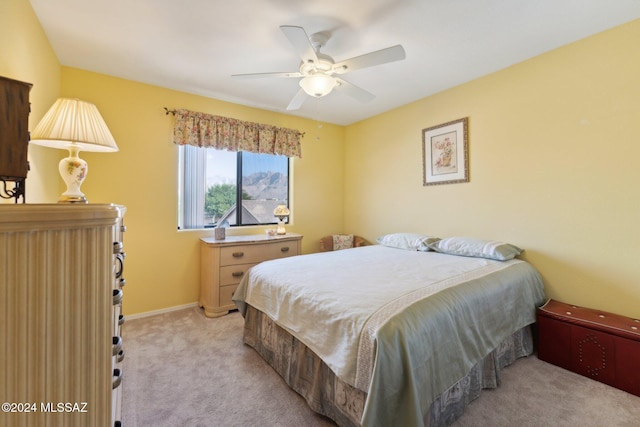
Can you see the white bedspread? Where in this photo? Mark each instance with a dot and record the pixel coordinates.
(403, 326)
(335, 308)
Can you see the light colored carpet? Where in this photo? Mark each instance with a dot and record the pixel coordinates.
(183, 369)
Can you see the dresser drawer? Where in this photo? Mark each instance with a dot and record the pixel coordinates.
(232, 274)
(226, 292)
(282, 249)
(244, 254)
(253, 254)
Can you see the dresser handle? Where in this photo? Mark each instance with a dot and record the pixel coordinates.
(117, 378)
(285, 249)
(119, 265)
(117, 247)
(121, 319)
(120, 357)
(117, 345)
(238, 254)
(122, 282)
(117, 296)
(237, 273)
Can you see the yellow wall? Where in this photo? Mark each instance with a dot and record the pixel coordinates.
(162, 268)
(553, 150)
(26, 55)
(554, 147)
(163, 265)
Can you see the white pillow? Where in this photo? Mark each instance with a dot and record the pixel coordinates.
(465, 246)
(409, 241)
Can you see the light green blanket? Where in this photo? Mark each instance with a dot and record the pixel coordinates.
(401, 325)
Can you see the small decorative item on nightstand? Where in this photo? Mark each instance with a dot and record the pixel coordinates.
(282, 212)
(219, 233)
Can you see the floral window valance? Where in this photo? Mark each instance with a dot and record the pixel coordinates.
(223, 133)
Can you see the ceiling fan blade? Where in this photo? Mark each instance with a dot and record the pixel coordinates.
(354, 91)
(297, 100)
(261, 75)
(383, 56)
(300, 40)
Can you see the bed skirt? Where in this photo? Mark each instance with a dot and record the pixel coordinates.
(326, 394)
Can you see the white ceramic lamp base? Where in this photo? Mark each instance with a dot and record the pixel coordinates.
(73, 171)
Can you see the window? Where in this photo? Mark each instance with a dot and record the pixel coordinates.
(214, 182)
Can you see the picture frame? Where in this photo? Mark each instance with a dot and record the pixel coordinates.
(445, 153)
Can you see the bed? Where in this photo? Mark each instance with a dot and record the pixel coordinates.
(405, 332)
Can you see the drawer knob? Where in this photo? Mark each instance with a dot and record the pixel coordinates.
(121, 319)
(120, 357)
(237, 273)
(285, 249)
(119, 266)
(238, 254)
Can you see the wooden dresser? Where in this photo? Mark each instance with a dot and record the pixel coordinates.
(223, 263)
(60, 294)
(599, 345)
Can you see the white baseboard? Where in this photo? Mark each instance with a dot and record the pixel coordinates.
(161, 311)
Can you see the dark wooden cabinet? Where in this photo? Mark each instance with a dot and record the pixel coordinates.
(14, 136)
(596, 344)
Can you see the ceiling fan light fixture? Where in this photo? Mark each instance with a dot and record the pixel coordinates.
(318, 85)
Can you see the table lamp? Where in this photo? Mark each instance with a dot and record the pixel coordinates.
(77, 126)
(282, 213)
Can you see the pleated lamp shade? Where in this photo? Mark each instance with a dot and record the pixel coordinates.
(74, 121)
(77, 126)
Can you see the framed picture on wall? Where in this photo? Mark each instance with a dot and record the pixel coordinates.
(445, 153)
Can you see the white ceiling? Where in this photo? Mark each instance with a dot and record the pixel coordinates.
(195, 46)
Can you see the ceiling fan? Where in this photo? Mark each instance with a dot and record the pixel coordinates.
(319, 71)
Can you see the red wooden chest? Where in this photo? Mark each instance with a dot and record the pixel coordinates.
(593, 343)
